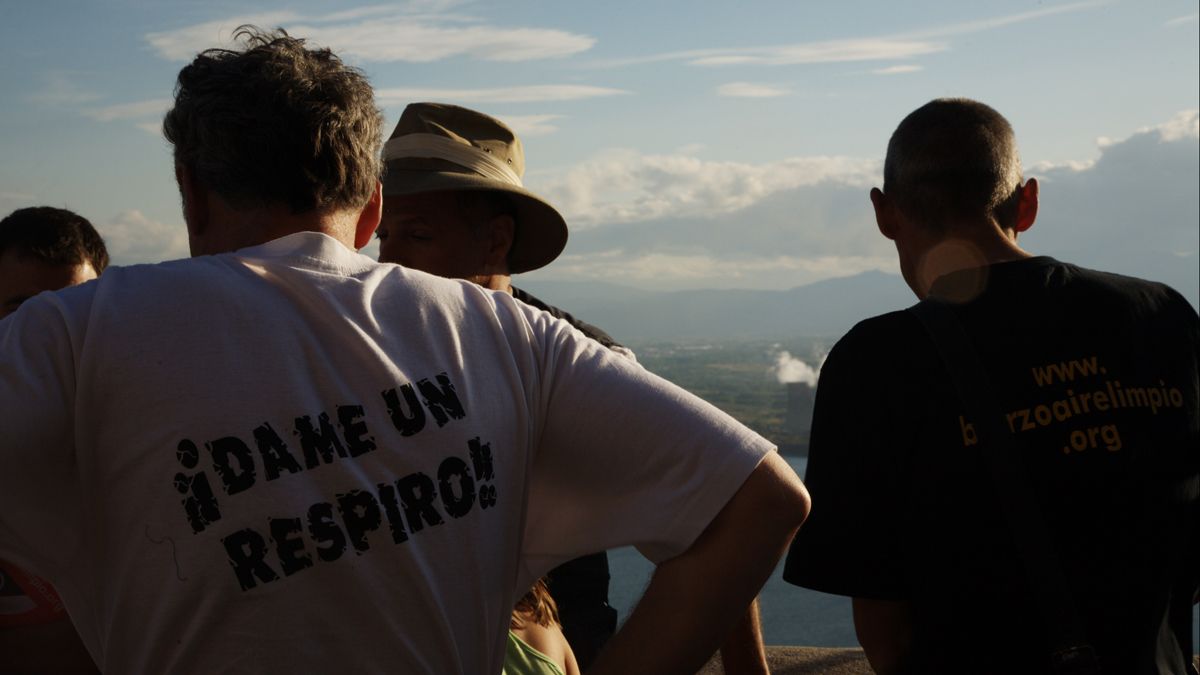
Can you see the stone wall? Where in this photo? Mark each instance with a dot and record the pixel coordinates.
(806, 661)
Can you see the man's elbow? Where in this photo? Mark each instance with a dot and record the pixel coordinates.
(762, 516)
(789, 501)
(801, 503)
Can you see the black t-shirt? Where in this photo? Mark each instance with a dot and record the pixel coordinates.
(1097, 374)
(583, 326)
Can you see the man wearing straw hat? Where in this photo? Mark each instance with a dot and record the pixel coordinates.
(279, 455)
(455, 205)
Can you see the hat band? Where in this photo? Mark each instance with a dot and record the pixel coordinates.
(433, 146)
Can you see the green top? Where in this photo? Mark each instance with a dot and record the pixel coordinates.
(521, 659)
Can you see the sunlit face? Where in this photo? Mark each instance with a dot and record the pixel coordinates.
(430, 232)
(22, 278)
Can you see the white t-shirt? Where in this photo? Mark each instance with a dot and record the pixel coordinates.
(292, 458)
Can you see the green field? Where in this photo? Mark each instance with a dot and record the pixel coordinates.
(737, 377)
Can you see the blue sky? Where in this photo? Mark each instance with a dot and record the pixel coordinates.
(689, 144)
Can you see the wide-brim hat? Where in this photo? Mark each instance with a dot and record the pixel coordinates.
(438, 147)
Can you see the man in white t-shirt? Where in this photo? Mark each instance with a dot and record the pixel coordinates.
(282, 456)
(455, 205)
(42, 248)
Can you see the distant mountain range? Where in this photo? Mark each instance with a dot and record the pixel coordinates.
(826, 308)
(823, 309)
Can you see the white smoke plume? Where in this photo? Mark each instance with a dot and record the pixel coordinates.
(788, 368)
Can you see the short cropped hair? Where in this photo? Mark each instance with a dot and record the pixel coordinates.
(953, 160)
(277, 124)
(53, 236)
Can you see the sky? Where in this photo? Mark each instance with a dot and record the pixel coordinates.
(688, 144)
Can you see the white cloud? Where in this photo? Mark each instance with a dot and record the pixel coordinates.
(376, 10)
(673, 222)
(1048, 166)
(145, 115)
(60, 90)
(137, 110)
(538, 93)
(881, 48)
(992, 23)
(829, 51)
(832, 51)
(788, 368)
(668, 271)
(751, 90)
(623, 186)
(1133, 210)
(898, 70)
(1183, 20)
(404, 39)
(528, 126)
(10, 201)
(182, 44)
(1184, 125)
(416, 33)
(132, 238)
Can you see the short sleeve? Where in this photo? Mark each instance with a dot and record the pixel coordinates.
(37, 461)
(625, 457)
(853, 542)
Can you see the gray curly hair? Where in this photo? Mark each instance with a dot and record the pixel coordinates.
(277, 123)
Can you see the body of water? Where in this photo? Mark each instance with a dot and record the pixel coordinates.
(790, 615)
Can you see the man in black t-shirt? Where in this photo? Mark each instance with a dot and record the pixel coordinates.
(1097, 377)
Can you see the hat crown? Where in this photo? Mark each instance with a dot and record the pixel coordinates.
(465, 126)
(438, 147)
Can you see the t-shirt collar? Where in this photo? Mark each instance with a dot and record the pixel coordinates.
(308, 249)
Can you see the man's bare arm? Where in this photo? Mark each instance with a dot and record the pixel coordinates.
(695, 598)
(885, 633)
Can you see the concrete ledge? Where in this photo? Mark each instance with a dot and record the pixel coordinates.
(818, 661)
(806, 661)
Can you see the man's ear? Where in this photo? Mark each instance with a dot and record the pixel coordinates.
(194, 196)
(369, 217)
(884, 217)
(1027, 207)
(501, 232)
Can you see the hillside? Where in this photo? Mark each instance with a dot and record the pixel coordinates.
(823, 309)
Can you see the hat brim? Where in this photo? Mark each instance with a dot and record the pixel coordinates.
(541, 232)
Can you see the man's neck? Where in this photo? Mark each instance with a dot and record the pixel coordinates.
(232, 229)
(968, 258)
(494, 282)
